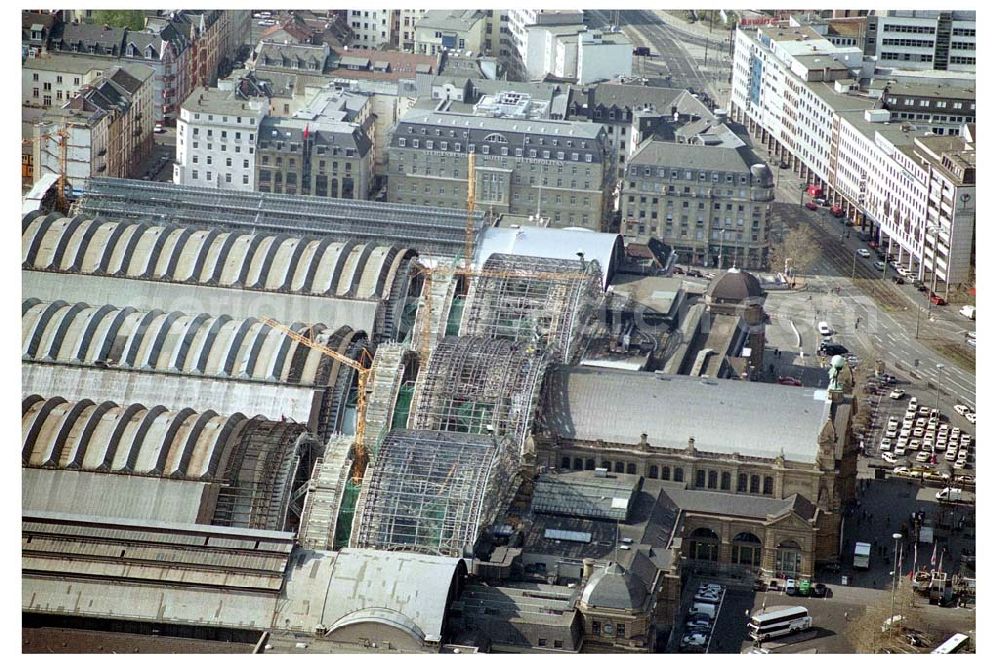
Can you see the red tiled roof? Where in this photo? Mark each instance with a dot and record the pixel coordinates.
(401, 65)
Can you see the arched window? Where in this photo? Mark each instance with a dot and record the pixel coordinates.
(678, 474)
(699, 478)
(703, 544)
(654, 473)
(768, 485)
(578, 463)
(590, 464)
(619, 467)
(565, 462)
(630, 469)
(713, 479)
(747, 549)
(665, 473)
(496, 138)
(741, 483)
(726, 481)
(755, 484)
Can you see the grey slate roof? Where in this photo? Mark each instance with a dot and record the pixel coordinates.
(557, 128)
(615, 587)
(738, 506)
(687, 156)
(87, 33)
(723, 416)
(458, 20)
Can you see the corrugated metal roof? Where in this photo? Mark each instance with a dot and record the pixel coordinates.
(723, 416)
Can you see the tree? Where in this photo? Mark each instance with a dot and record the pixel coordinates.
(133, 19)
(799, 248)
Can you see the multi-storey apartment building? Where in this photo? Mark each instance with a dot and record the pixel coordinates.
(927, 106)
(711, 204)
(800, 95)
(558, 169)
(110, 126)
(923, 39)
(461, 29)
(216, 139)
(521, 19)
(373, 27)
(406, 37)
(319, 157)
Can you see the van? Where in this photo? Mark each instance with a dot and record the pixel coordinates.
(698, 607)
(968, 311)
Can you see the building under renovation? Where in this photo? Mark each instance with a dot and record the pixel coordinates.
(406, 422)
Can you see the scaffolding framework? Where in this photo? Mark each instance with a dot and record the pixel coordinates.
(507, 301)
(432, 492)
(471, 383)
(436, 231)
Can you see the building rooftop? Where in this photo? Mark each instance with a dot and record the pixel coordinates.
(925, 89)
(401, 65)
(458, 20)
(215, 101)
(693, 156)
(556, 128)
(585, 495)
(722, 416)
(72, 63)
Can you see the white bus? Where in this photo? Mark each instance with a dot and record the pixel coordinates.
(953, 644)
(779, 621)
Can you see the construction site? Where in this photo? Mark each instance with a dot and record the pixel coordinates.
(408, 409)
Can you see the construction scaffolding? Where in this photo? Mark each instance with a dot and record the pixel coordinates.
(431, 231)
(432, 492)
(266, 476)
(472, 383)
(539, 301)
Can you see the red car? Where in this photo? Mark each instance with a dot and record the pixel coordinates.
(837, 211)
(789, 381)
(937, 300)
(811, 205)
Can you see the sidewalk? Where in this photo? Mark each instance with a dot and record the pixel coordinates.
(696, 30)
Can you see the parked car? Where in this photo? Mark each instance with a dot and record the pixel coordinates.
(821, 201)
(920, 286)
(879, 265)
(789, 381)
(898, 280)
(824, 328)
(968, 311)
(885, 445)
(832, 349)
(923, 456)
(864, 252)
(971, 417)
(890, 457)
(961, 409)
(158, 128)
(811, 205)
(837, 211)
(783, 164)
(937, 300)
(694, 641)
(791, 587)
(897, 394)
(819, 590)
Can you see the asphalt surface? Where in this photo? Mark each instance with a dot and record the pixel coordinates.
(888, 326)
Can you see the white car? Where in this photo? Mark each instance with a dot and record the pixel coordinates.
(913, 444)
(926, 446)
(924, 412)
(886, 444)
(890, 458)
(971, 417)
(824, 328)
(879, 265)
(962, 409)
(951, 455)
(960, 463)
(863, 252)
(896, 394)
(900, 450)
(940, 446)
(923, 456)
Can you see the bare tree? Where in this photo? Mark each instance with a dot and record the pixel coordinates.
(799, 247)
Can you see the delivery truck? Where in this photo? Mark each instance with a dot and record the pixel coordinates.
(862, 555)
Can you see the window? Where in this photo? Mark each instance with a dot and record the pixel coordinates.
(229, 177)
(595, 628)
(699, 477)
(246, 179)
(741, 483)
(542, 642)
(194, 174)
(755, 484)
(229, 161)
(768, 485)
(713, 479)
(725, 481)
(34, 77)
(678, 474)
(47, 86)
(620, 630)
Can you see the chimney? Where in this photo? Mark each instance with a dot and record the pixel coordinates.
(588, 568)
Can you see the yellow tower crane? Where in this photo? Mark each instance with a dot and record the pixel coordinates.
(364, 372)
(62, 139)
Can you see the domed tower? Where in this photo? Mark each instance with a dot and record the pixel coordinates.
(738, 293)
(616, 600)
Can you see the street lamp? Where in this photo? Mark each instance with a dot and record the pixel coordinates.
(937, 401)
(895, 577)
(854, 264)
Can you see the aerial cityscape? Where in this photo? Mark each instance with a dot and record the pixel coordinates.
(461, 331)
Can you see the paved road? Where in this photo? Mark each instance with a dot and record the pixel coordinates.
(890, 335)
